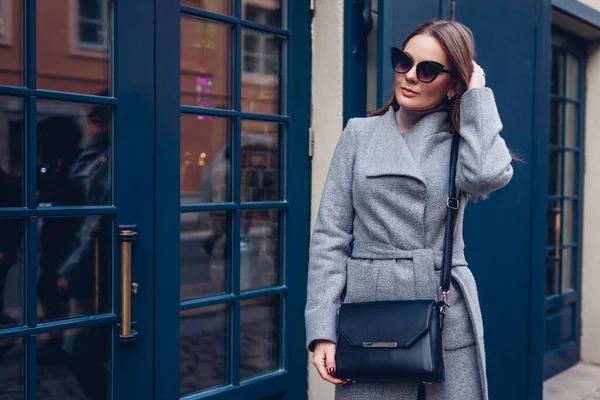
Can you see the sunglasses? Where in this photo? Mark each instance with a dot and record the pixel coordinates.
(427, 71)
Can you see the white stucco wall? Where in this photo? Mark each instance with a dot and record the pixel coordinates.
(592, 3)
(327, 122)
(590, 295)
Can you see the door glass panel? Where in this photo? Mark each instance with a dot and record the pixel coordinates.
(11, 42)
(12, 376)
(74, 261)
(568, 222)
(216, 6)
(205, 164)
(570, 171)
(556, 123)
(204, 254)
(552, 270)
(11, 150)
(12, 238)
(74, 364)
(553, 224)
(264, 12)
(205, 63)
(259, 249)
(554, 173)
(558, 60)
(259, 336)
(571, 125)
(261, 57)
(203, 348)
(74, 149)
(567, 268)
(260, 161)
(572, 76)
(74, 60)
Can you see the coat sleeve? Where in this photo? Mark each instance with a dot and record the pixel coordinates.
(330, 244)
(484, 161)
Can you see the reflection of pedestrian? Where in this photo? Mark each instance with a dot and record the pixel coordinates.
(10, 237)
(87, 351)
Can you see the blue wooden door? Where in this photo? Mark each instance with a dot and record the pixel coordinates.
(232, 198)
(565, 188)
(77, 176)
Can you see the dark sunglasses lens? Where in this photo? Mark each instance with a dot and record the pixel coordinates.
(400, 61)
(428, 71)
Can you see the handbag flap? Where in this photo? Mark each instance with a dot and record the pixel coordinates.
(385, 323)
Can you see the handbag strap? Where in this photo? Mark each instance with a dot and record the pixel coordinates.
(452, 206)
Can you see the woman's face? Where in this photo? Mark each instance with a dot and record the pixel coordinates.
(414, 94)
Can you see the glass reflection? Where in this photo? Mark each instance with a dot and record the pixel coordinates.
(204, 254)
(12, 235)
(75, 259)
(11, 369)
(216, 6)
(203, 349)
(261, 56)
(11, 42)
(78, 369)
(74, 46)
(205, 165)
(259, 249)
(260, 161)
(205, 63)
(74, 148)
(259, 336)
(11, 150)
(264, 12)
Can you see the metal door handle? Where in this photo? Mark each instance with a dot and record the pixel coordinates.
(127, 235)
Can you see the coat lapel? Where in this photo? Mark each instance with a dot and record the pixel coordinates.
(389, 153)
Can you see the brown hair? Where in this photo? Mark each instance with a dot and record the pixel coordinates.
(458, 43)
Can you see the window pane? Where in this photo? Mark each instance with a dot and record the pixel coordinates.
(11, 43)
(204, 250)
(259, 336)
(569, 222)
(557, 71)
(203, 348)
(259, 249)
(556, 127)
(260, 161)
(75, 263)
(76, 59)
(74, 364)
(553, 224)
(568, 264)
(12, 377)
(205, 163)
(552, 270)
(206, 58)
(571, 175)
(260, 77)
(571, 125)
(216, 6)
(12, 244)
(74, 154)
(11, 150)
(267, 12)
(572, 76)
(554, 173)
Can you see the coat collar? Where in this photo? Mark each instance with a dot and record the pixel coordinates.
(389, 151)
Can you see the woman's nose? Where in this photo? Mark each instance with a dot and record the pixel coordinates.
(411, 75)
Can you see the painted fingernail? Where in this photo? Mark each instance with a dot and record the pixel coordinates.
(331, 371)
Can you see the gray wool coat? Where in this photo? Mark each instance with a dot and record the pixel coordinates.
(379, 233)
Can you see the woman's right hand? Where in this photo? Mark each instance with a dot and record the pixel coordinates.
(324, 360)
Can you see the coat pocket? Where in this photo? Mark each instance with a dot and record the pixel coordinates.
(361, 280)
(458, 328)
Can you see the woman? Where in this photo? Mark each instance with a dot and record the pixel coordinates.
(387, 189)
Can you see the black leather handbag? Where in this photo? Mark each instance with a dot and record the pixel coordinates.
(399, 341)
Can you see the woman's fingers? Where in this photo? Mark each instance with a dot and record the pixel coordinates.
(320, 362)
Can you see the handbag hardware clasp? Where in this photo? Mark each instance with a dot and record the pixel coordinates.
(380, 344)
(444, 299)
